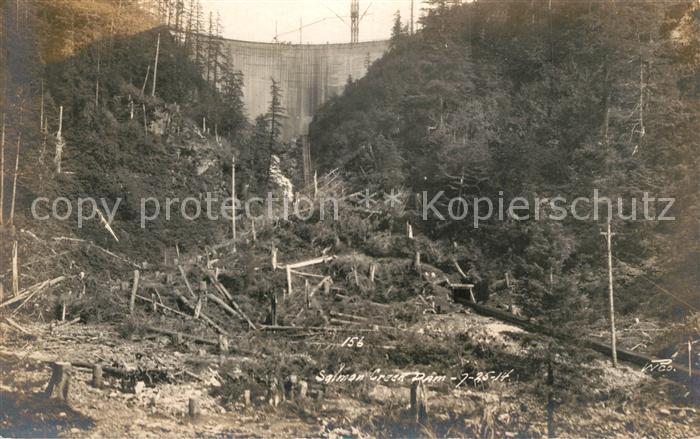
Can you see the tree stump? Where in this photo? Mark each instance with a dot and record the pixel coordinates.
(303, 389)
(223, 345)
(97, 379)
(273, 392)
(246, 397)
(60, 381)
(177, 339)
(419, 402)
(290, 388)
(193, 409)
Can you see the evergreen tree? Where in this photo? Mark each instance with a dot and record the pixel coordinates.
(274, 117)
(397, 28)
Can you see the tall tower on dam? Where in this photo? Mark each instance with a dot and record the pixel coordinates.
(309, 74)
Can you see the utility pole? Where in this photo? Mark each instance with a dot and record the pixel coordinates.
(411, 27)
(613, 341)
(354, 21)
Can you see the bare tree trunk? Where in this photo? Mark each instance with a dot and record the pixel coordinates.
(41, 111)
(15, 270)
(233, 201)
(134, 289)
(59, 141)
(2, 173)
(155, 67)
(613, 338)
(145, 81)
(642, 130)
(14, 182)
(97, 81)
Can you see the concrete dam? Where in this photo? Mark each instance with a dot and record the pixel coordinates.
(309, 74)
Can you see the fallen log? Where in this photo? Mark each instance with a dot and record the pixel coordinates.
(32, 290)
(347, 322)
(202, 316)
(187, 283)
(219, 286)
(160, 305)
(314, 328)
(622, 354)
(223, 305)
(182, 335)
(302, 273)
(15, 325)
(338, 314)
(92, 244)
(321, 284)
(314, 261)
(66, 323)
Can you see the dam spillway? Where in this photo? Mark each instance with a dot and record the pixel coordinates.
(309, 75)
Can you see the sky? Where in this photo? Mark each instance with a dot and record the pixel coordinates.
(255, 20)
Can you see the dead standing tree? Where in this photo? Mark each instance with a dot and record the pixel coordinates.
(60, 143)
(2, 173)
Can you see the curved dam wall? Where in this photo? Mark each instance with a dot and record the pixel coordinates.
(309, 74)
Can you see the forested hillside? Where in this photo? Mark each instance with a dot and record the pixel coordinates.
(541, 99)
(103, 102)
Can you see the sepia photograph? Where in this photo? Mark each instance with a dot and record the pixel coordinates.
(350, 219)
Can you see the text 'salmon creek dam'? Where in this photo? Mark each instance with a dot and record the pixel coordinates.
(309, 74)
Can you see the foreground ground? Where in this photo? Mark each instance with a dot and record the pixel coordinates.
(588, 397)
